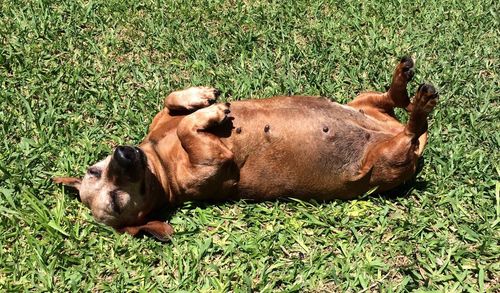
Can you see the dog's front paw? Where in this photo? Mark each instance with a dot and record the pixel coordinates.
(222, 111)
(213, 115)
(200, 97)
(426, 98)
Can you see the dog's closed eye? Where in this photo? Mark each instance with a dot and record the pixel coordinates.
(94, 172)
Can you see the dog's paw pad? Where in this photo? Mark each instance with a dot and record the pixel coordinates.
(407, 67)
(427, 90)
(426, 97)
(407, 60)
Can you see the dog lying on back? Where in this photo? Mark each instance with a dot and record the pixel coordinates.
(305, 147)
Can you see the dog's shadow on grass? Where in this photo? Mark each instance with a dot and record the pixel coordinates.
(402, 190)
(73, 193)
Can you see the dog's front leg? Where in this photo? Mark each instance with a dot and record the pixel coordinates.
(191, 99)
(204, 172)
(204, 148)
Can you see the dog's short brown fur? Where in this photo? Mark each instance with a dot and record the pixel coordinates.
(305, 147)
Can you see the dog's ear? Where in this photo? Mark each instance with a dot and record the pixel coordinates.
(160, 230)
(68, 181)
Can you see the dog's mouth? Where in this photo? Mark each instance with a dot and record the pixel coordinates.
(115, 201)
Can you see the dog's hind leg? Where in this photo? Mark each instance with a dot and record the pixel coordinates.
(381, 105)
(391, 162)
(191, 99)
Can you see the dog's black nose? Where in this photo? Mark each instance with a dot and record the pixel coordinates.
(126, 156)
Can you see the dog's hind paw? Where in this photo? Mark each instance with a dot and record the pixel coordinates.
(426, 98)
(407, 68)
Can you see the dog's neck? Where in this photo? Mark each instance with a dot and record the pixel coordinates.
(159, 189)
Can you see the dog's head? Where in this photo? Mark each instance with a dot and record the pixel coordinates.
(119, 191)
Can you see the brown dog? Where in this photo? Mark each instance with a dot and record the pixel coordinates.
(304, 147)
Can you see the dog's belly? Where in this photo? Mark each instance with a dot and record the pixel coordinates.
(301, 147)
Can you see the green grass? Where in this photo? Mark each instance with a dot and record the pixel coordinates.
(79, 77)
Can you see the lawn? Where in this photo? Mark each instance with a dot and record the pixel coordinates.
(80, 77)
